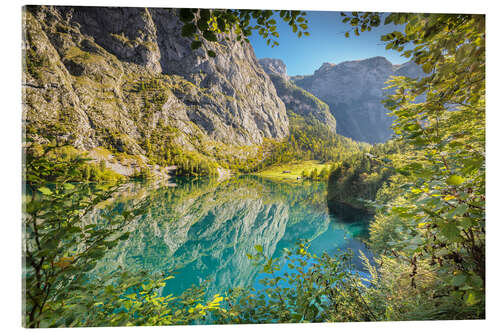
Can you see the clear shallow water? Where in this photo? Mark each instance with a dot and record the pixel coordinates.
(203, 229)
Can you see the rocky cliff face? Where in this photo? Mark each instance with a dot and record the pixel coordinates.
(354, 91)
(115, 77)
(296, 99)
(274, 66)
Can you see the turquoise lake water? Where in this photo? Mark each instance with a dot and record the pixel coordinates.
(203, 229)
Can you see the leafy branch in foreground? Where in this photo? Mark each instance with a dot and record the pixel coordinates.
(210, 23)
(59, 246)
(62, 245)
(441, 213)
(300, 287)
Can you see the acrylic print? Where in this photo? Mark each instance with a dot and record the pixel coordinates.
(201, 166)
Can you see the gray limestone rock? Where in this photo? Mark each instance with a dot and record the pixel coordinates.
(274, 66)
(105, 76)
(296, 99)
(354, 90)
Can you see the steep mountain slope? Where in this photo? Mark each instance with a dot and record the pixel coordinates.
(274, 66)
(125, 79)
(354, 91)
(296, 99)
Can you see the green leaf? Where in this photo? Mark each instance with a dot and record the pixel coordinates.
(186, 14)
(454, 180)
(205, 14)
(458, 280)
(471, 297)
(476, 281)
(258, 248)
(450, 231)
(188, 30)
(195, 45)
(45, 190)
(124, 236)
(211, 53)
(461, 209)
(427, 67)
(210, 36)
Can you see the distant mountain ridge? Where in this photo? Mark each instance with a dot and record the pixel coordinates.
(296, 99)
(354, 91)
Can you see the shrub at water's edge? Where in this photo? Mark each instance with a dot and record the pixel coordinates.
(354, 182)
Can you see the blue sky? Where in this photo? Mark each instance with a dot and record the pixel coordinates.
(326, 43)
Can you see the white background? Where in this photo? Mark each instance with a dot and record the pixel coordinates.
(10, 157)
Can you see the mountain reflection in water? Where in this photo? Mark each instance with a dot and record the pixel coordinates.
(204, 229)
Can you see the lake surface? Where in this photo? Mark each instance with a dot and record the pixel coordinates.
(203, 229)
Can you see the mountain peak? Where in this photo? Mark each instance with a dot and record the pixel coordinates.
(354, 90)
(274, 66)
(377, 61)
(409, 69)
(325, 67)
